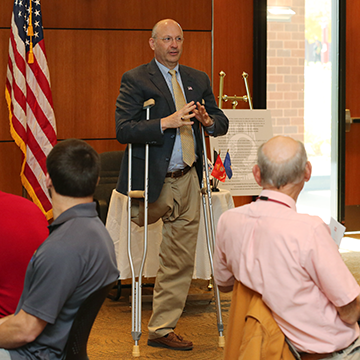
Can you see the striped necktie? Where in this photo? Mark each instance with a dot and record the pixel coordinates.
(187, 139)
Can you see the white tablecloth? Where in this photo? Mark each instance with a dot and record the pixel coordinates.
(116, 224)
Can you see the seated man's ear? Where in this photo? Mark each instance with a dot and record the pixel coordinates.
(308, 170)
(48, 181)
(257, 174)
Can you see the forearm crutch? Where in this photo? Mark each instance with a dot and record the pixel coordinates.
(210, 237)
(136, 284)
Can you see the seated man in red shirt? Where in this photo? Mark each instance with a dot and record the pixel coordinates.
(23, 227)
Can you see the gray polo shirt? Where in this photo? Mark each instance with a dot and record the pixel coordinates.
(76, 259)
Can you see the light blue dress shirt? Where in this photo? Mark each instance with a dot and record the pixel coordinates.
(176, 160)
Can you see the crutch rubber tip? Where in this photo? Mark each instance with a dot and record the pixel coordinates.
(221, 341)
(136, 351)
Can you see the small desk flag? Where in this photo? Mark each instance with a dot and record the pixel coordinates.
(219, 170)
(227, 165)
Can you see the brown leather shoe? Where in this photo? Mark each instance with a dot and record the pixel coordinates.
(171, 341)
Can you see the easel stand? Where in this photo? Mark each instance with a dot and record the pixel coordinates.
(207, 200)
(225, 98)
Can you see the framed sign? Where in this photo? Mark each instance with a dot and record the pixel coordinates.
(248, 129)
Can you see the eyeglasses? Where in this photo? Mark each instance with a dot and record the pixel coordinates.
(169, 39)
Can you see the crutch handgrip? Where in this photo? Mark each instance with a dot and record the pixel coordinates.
(137, 194)
(148, 104)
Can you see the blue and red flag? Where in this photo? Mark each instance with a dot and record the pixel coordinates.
(227, 166)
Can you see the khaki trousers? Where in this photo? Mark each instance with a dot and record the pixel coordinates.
(179, 207)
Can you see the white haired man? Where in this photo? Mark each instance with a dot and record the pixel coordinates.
(290, 259)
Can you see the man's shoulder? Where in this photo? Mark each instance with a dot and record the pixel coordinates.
(287, 215)
(141, 69)
(193, 72)
(16, 209)
(232, 216)
(80, 230)
(7, 198)
(76, 240)
(306, 219)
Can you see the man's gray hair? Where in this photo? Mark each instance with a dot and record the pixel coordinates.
(279, 174)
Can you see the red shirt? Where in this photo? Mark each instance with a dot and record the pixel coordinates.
(23, 227)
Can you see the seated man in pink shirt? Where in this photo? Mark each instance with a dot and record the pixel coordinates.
(290, 258)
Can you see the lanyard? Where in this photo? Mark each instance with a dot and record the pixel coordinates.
(265, 198)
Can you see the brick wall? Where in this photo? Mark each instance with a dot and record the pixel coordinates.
(285, 70)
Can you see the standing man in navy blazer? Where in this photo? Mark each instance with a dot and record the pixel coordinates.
(173, 185)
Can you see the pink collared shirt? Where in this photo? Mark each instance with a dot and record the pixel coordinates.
(294, 263)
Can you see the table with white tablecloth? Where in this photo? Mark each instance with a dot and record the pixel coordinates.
(116, 224)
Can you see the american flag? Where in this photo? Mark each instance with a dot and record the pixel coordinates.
(28, 94)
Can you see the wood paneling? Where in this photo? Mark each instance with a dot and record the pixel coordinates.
(86, 69)
(10, 167)
(4, 114)
(233, 47)
(233, 53)
(352, 157)
(6, 7)
(352, 57)
(110, 14)
(352, 166)
(134, 14)
(91, 43)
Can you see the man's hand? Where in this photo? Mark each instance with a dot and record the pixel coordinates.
(179, 118)
(202, 115)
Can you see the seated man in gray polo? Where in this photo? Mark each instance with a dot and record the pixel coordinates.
(75, 260)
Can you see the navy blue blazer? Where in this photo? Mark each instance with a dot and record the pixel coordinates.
(139, 85)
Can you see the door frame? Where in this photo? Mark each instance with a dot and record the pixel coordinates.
(259, 85)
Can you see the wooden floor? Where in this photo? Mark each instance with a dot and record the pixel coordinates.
(111, 334)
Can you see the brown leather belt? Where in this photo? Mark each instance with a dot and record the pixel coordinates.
(308, 356)
(178, 173)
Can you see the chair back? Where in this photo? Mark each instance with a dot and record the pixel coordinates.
(109, 173)
(76, 345)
